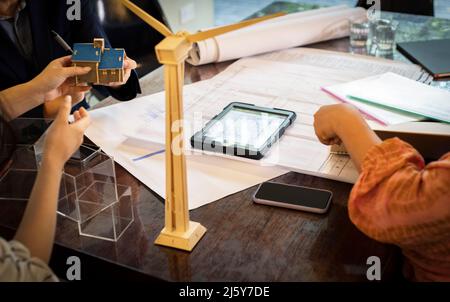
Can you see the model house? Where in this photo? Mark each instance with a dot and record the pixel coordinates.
(106, 63)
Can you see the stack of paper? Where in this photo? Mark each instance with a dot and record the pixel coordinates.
(404, 98)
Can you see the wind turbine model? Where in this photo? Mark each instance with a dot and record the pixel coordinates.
(179, 232)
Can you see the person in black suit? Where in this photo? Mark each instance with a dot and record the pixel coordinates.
(28, 45)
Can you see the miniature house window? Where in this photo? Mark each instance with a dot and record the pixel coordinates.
(113, 72)
(105, 72)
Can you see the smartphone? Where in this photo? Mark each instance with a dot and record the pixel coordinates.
(293, 197)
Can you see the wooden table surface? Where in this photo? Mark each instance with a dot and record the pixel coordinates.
(244, 241)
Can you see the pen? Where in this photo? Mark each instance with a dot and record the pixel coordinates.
(61, 42)
(149, 155)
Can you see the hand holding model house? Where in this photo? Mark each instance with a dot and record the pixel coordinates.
(109, 66)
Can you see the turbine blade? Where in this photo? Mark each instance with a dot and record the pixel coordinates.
(203, 35)
(147, 18)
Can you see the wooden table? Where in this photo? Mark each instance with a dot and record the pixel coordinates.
(244, 242)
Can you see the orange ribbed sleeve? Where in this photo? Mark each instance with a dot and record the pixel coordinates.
(400, 200)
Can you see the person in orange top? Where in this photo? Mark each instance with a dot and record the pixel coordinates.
(397, 198)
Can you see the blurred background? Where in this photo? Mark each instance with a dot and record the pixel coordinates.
(125, 30)
(227, 10)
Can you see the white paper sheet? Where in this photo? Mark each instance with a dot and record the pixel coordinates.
(209, 177)
(279, 85)
(283, 32)
(359, 67)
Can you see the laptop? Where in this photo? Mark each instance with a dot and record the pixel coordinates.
(432, 55)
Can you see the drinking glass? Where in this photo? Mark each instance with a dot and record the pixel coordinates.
(359, 32)
(383, 37)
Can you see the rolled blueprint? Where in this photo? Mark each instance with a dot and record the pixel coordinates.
(283, 32)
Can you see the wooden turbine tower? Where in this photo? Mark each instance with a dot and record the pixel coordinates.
(179, 232)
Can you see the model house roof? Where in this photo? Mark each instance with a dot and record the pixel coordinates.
(110, 58)
(86, 52)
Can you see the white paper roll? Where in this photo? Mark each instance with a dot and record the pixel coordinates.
(284, 32)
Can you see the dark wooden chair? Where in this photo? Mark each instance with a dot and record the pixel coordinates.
(416, 7)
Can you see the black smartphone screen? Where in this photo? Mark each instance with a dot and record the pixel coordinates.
(296, 195)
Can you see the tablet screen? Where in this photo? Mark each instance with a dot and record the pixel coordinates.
(245, 127)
